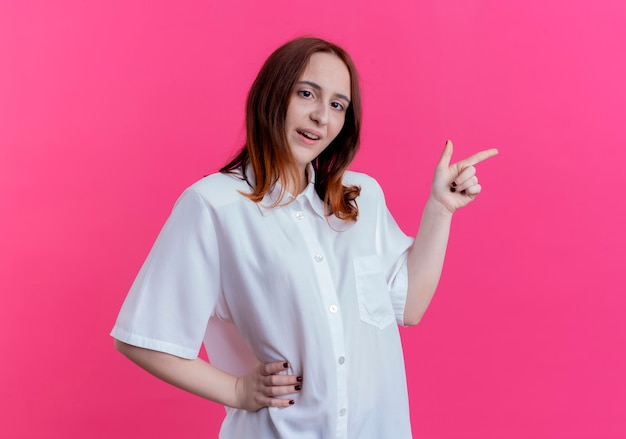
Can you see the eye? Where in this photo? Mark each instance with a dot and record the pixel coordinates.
(337, 106)
(305, 94)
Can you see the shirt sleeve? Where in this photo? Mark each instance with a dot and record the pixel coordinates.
(393, 246)
(171, 300)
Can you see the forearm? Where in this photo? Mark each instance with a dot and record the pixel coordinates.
(195, 376)
(425, 260)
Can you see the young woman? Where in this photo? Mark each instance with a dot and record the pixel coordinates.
(291, 270)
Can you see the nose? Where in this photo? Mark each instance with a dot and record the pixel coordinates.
(320, 114)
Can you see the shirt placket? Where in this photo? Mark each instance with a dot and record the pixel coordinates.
(332, 312)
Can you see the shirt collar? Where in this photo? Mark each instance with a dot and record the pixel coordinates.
(308, 195)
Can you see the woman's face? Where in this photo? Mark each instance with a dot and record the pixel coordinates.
(317, 107)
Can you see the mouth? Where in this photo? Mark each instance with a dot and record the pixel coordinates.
(309, 135)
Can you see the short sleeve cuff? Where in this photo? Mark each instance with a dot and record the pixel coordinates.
(152, 344)
(398, 291)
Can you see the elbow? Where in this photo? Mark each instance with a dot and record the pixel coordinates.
(133, 353)
(412, 319)
(121, 347)
(417, 302)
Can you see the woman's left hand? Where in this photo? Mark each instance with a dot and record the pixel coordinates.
(456, 185)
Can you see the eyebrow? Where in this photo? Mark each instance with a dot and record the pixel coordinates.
(319, 88)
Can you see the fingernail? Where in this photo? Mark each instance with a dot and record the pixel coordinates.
(285, 365)
(298, 387)
(454, 184)
(452, 189)
(292, 402)
(299, 379)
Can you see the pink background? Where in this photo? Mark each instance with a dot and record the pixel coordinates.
(108, 110)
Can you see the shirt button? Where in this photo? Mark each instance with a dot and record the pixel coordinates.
(299, 215)
(318, 257)
(342, 412)
(332, 308)
(342, 360)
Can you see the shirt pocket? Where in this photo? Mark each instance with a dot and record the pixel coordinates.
(372, 292)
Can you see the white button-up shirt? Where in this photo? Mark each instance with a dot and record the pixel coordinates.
(256, 283)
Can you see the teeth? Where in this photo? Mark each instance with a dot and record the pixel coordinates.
(309, 135)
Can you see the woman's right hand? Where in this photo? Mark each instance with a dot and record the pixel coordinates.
(263, 386)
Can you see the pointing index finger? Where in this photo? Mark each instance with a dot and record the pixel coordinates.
(478, 157)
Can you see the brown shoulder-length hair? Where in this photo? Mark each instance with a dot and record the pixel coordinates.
(266, 149)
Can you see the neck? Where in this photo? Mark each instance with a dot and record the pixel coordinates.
(303, 181)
